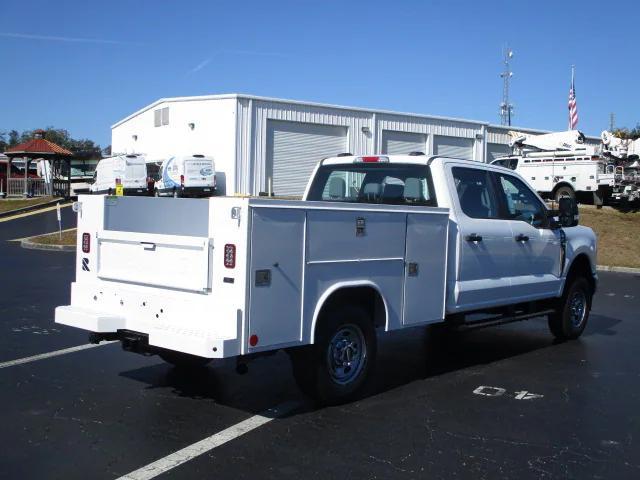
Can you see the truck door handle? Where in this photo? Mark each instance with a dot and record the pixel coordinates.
(148, 246)
(522, 238)
(473, 238)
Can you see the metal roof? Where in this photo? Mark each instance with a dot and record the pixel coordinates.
(320, 105)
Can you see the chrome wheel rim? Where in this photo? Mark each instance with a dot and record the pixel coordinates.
(346, 354)
(577, 308)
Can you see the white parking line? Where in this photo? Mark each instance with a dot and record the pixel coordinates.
(33, 212)
(55, 353)
(203, 446)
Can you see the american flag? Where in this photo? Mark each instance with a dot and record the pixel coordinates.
(573, 106)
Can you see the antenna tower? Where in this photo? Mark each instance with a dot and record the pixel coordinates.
(506, 108)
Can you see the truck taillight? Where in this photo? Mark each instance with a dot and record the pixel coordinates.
(86, 243)
(372, 159)
(230, 255)
(182, 180)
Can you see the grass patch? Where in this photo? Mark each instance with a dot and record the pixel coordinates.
(68, 238)
(618, 235)
(11, 204)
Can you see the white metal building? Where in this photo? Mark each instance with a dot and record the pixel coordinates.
(255, 139)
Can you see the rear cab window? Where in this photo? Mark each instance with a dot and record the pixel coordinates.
(476, 192)
(378, 183)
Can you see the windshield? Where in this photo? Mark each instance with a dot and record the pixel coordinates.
(397, 184)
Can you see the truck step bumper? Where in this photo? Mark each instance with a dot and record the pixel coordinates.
(170, 337)
(88, 319)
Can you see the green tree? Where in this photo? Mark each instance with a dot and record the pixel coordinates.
(626, 133)
(82, 149)
(14, 138)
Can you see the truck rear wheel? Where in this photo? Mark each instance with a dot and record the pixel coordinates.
(183, 360)
(571, 315)
(564, 191)
(334, 370)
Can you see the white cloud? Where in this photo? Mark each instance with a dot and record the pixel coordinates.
(206, 61)
(51, 38)
(200, 66)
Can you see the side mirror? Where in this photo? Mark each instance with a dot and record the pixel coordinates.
(568, 215)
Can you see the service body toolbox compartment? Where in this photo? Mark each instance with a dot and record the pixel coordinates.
(228, 276)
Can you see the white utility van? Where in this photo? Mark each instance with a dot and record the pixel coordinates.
(186, 176)
(128, 170)
(378, 242)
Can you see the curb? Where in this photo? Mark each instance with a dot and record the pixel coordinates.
(30, 208)
(607, 268)
(26, 243)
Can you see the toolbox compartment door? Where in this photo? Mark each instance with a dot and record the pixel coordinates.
(169, 261)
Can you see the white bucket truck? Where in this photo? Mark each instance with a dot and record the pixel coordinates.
(378, 243)
(560, 165)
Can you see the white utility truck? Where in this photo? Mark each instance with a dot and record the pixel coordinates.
(130, 171)
(378, 243)
(186, 176)
(561, 165)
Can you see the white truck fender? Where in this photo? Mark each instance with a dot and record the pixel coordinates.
(339, 286)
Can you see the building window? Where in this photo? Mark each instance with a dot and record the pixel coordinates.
(161, 117)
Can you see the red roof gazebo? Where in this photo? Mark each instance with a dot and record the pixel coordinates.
(37, 148)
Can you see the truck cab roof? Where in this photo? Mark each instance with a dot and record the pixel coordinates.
(413, 158)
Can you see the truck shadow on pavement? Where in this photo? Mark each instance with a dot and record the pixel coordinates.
(403, 357)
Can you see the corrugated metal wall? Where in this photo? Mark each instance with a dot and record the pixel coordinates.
(365, 132)
(253, 164)
(241, 145)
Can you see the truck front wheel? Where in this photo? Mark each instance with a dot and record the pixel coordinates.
(571, 315)
(183, 360)
(334, 370)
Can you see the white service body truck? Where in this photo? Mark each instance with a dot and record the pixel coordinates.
(560, 165)
(379, 242)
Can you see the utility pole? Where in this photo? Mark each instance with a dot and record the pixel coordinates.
(612, 121)
(506, 108)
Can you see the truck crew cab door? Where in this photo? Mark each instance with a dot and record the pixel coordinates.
(485, 241)
(537, 248)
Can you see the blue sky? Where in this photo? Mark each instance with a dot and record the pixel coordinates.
(84, 65)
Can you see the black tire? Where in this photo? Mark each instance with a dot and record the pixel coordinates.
(564, 191)
(183, 360)
(316, 368)
(572, 311)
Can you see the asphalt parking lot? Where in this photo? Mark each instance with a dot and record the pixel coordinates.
(501, 402)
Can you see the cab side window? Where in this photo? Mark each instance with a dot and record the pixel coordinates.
(476, 192)
(521, 203)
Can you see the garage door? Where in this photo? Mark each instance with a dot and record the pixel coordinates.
(455, 147)
(495, 150)
(402, 143)
(294, 149)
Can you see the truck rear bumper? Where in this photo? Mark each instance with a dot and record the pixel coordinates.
(169, 337)
(89, 319)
